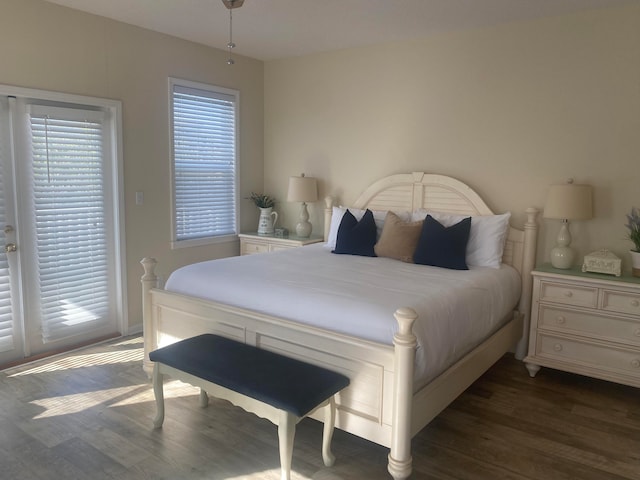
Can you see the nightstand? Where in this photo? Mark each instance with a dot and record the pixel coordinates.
(251, 243)
(585, 323)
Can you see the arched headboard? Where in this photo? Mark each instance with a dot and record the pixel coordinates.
(439, 193)
(411, 191)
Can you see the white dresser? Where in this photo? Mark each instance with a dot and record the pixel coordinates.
(251, 243)
(585, 323)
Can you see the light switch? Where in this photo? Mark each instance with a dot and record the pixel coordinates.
(139, 198)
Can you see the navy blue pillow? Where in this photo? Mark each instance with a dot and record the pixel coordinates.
(442, 246)
(356, 237)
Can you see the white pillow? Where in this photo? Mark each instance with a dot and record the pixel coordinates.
(486, 239)
(378, 216)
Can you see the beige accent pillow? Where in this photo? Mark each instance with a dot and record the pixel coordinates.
(398, 239)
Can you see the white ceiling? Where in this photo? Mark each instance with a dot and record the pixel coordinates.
(273, 29)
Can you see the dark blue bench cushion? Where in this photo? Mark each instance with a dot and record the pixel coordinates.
(282, 382)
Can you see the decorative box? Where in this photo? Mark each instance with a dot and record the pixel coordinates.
(602, 261)
(281, 233)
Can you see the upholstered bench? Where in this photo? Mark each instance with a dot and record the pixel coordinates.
(278, 388)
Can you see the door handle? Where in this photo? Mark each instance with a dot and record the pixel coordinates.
(10, 247)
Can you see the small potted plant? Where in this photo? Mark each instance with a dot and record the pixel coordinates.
(633, 226)
(268, 217)
(262, 201)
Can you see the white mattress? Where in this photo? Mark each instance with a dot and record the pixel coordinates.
(358, 295)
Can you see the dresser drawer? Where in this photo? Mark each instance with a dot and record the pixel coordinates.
(568, 294)
(589, 324)
(597, 356)
(622, 302)
(275, 248)
(249, 248)
(251, 243)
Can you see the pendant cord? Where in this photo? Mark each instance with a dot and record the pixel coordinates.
(230, 45)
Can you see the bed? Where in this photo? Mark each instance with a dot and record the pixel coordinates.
(389, 399)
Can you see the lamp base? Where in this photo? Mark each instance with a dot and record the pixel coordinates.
(562, 257)
(562, 254)
(303, 229)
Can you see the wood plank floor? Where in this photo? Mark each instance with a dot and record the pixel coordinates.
(88, 415)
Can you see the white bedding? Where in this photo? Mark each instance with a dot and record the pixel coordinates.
(358, 295)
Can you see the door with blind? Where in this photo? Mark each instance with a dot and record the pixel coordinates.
(66, 274)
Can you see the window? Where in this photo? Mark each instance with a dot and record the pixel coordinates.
(204, 160)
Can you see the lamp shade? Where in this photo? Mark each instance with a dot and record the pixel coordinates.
(569, 202)
(302, 189)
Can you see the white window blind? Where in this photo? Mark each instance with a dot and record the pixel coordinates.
(69, 198)
(204, 162)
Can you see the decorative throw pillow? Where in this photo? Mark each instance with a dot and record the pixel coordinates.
(356, 237)
(398, 239)
(442, 246)
(486, 239)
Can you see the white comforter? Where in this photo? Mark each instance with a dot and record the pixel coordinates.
(358, 295)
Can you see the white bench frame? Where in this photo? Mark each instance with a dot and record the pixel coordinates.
(285, 421)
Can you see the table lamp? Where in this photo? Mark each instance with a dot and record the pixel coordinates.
(303, 189)
(567, 202)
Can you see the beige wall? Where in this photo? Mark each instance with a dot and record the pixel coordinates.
(508, 110)
(48, 47)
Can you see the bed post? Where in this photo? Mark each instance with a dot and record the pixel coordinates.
(328, 211)
(405, 351)
(528, 264)
(149, 281)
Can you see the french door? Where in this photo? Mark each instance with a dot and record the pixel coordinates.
(60, 253)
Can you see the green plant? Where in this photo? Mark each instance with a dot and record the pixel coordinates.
(261, 200)
(634, 227)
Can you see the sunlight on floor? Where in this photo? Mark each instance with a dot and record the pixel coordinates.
(110, 397)
(84, 360)
(77, 402)
(81, 360)
(271, 473)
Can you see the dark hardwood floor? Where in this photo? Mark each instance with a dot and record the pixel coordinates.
(88, 415)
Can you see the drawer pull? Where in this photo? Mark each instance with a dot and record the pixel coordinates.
(635, 303)
(561, 319)
(557, 347)
(635, 363)
(568, 294)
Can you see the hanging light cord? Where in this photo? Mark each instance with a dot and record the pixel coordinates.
(230, 45)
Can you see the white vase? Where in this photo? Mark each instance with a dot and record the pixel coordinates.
(635, 263)
(267, 221)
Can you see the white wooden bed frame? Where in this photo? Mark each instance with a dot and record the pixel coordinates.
(380, 404)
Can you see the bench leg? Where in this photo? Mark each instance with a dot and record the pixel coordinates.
(286, 433)
(159, 393)
(204, 399)
(327, 433)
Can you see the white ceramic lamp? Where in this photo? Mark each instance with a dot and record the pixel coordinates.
(303, 189)
(567, 202)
